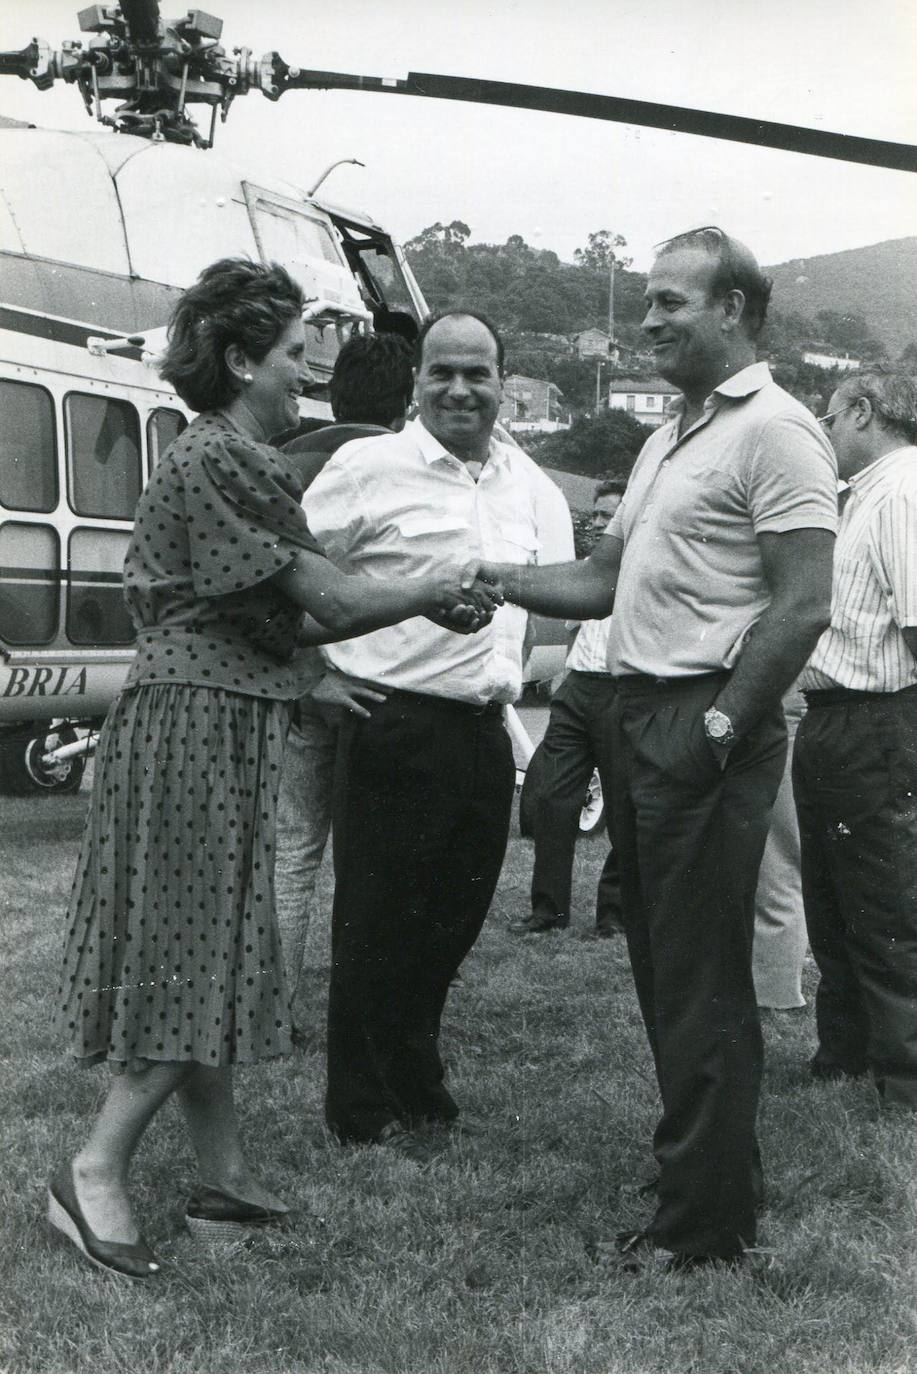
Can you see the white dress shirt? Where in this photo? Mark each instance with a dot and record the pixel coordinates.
(874, 592)
(401, 505)
(590, 648)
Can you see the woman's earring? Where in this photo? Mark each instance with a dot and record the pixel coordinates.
(247, 377)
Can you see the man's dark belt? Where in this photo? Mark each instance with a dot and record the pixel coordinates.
(468, 708)
(639, 683)
(848, 696)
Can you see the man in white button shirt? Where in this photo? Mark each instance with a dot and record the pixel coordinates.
(425, 784)
(855, 760)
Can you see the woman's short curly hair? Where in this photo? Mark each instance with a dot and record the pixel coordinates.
(233, 301)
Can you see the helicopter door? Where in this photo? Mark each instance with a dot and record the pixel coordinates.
(304, 241)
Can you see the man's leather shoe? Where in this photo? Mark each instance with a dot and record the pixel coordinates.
(639, 1254)
(820, 1066)
(539, 923)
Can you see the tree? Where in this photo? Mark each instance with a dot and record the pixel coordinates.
(599, 253)
(849, 333)
(907, 359)
(604, 446)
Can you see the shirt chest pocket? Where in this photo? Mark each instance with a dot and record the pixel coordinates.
(428, 531)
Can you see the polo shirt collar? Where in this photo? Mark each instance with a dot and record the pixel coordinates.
(432, 451)
(867, 477)
(736, 387)
(744, 383)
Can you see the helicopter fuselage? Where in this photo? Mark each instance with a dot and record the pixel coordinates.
(99, 233)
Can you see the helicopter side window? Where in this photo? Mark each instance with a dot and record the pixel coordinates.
(162, 428)
(28, 448)
(96, 613)
(29, 583)
(103, 444)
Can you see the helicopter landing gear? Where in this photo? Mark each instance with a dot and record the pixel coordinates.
(24, 771)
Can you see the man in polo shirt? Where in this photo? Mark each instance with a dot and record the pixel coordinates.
(855, 761)
(424, 784)
(719, 564)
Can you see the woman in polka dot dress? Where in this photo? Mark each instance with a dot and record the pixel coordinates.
(172, 970)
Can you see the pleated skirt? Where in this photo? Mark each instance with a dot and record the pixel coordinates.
(171, 951)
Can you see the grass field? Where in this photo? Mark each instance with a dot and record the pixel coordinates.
(486, 1256)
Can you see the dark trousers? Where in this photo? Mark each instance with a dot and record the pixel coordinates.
(579, 739)
(855, 783)
(690, 837)
(422, 803)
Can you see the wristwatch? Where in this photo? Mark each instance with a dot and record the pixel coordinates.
(718, 727)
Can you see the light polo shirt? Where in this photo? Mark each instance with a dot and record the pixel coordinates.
(401, 506)
(590, 648)
(874, 593)
(691, 583)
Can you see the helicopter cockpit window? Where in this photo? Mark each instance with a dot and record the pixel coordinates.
(28, 448)
(96, 613)
(29, 583)
(103, 444)
(287, 237)
(385, 277)
(162, 428)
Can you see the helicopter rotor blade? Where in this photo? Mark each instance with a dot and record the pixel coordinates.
(764, 133)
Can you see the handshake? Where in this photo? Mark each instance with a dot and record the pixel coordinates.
(465, 598)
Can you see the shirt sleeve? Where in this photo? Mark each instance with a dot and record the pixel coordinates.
(893, 549)
(243, 515)
(554, 524)
(793, 477)
(333, 505)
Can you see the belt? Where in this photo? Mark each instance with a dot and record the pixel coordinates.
(493, 709)
(639, 683)
(848, 696)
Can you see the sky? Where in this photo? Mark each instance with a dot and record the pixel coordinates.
(842, 65)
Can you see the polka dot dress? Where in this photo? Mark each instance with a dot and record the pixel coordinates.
(171, 951)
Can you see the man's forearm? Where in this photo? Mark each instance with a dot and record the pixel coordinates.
(574, 591)
(775, 655)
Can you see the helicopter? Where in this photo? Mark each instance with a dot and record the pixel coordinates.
(85, 300)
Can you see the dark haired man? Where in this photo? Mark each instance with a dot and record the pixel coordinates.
(424, 784)
(371, 390)
(855, 761)
(719, 564)
(576, 742)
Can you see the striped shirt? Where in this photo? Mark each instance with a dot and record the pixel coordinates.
(875, 583)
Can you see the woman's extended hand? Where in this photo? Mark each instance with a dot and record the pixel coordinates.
(463, 602)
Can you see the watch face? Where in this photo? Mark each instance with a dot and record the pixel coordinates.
(718, 725)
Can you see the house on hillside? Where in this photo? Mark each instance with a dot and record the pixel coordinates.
(827, 360)
(592, 343)
(648, 401)
(532, 403)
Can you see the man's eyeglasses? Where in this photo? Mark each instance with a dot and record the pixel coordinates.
(827, 421)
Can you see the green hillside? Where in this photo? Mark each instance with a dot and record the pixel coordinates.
(878, 283)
